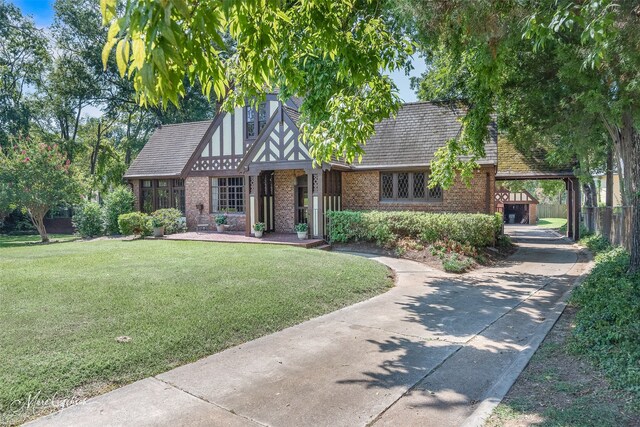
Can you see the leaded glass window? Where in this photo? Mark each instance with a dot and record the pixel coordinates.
(418, 185)
(386, 185)
(403, 186)
(408, 187)
(251, 122)
(262, 116)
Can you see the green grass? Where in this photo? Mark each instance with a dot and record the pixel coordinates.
(63, 305)
(555, 223)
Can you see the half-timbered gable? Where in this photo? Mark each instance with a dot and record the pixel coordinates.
(279, 145)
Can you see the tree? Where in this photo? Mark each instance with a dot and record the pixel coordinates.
(23, 58)
(334, 53)
(38, 177)
(561, 75)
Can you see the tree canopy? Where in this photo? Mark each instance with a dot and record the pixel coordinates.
(334, 53)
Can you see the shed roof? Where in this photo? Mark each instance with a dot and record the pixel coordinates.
(168, 150)
(513, 164)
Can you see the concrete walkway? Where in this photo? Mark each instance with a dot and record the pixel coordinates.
(436, 350)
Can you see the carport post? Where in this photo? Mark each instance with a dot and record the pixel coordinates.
(570, 216)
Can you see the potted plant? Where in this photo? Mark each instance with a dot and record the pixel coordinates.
(221, 222)
(258, 229)
(158, 226)
(302, 230)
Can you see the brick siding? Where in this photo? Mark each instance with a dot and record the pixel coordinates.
(361, 191)
(197, 190)
(284, 199)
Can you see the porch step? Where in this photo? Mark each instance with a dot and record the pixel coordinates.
(324, 247)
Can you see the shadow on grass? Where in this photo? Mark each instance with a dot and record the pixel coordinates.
(7, 241)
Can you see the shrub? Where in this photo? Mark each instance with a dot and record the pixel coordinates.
(456, 263)
(134, 223)
(119, 201)
(387, 228)
(87, 219)
(171, 220)
(608, 322)
(596, 243)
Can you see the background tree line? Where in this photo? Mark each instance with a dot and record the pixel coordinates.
(54, 90)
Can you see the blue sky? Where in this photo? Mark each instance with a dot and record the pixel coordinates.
(42, 13)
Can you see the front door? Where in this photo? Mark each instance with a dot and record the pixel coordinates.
(265, 200)
(302, 200)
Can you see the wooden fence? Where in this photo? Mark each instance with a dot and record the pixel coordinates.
(620, 223)
(556, 210)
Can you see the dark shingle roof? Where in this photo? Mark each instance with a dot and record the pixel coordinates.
(293, 114)
(416, 133)
(168, 150)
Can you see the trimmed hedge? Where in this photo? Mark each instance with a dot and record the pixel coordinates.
(137, 223)
(386, 228)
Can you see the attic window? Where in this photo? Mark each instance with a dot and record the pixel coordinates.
(407, 187)
(255, 121)
(251, 122)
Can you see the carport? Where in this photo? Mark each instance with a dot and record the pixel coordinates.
(515, 166)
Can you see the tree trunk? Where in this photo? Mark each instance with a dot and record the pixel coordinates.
(37, 218)
(96, 150)
(590, 204)
(630, 155)
(608, 211)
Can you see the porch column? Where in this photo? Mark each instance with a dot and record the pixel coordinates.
(252, 203)
(312, 206)
(318, 203)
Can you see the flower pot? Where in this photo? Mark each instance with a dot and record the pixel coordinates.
(302, 235)
(220, 227)
(158, 231)
(258, 233)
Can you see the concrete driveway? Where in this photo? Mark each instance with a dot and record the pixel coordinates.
(436, 350)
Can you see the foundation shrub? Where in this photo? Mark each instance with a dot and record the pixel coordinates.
(387, 228)
(137, 223)
(171, 219)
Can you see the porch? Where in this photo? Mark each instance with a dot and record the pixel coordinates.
(240, 237)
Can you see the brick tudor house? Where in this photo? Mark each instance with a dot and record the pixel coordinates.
(253, 166)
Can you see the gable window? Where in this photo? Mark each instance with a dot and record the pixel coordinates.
(262, 116)
(255, 121)
(227, 194)
(161, 194)
(407, 187)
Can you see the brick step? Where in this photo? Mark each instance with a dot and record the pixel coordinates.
(324, 247)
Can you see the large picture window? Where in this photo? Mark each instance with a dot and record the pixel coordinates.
(407, 187)
(227, 194)
(162, 193)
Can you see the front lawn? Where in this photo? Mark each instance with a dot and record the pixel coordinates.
(555, 223)
(62, 307)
